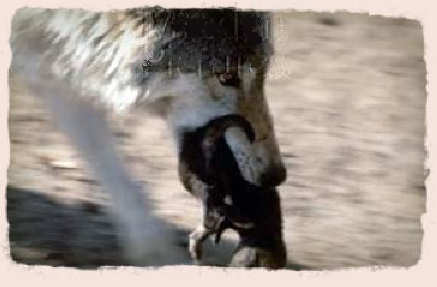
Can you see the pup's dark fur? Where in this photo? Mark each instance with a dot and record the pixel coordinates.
(229, 200)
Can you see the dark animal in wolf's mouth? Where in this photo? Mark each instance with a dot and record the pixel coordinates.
(210, 172)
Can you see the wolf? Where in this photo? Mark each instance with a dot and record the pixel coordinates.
(187, 66)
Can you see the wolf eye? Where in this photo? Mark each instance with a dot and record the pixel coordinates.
(228, 79)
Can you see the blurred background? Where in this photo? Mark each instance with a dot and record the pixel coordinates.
(347, 93)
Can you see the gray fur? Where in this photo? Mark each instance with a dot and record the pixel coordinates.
(79, 62)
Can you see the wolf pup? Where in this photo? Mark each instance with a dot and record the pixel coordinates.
(209, 171)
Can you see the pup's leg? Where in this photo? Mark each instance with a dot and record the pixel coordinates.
(199, 235)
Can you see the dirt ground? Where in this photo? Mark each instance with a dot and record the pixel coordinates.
(347, 92)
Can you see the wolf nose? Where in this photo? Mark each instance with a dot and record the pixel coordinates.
(274, 177)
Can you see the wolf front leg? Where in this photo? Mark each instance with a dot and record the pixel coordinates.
(145, 239)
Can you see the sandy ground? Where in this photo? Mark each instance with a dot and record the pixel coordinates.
(347, 93)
